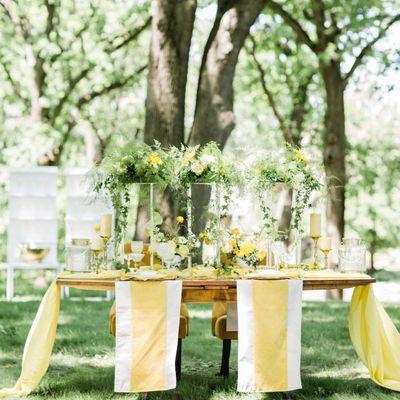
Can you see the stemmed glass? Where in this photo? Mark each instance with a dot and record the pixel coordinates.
(167, 253)
(136, 252)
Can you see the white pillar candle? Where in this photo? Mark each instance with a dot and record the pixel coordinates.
(97, 243)
(106, 225)
(315, 224)
(325, 243)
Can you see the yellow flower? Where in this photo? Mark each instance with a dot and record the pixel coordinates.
(179, 219)
(197, 168)
(300, 155)
(183, 250)
(235, 231)
(202, 235)
(246, 249)
(97, 229)
(154, 159)
(189, 157)
(207, 240)
(261, 255)
(232, 241)
(147, 233)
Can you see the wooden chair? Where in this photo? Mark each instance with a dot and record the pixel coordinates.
(218, 326)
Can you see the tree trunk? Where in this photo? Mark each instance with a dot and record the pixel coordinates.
(214, 118)
(172, 27)
(334, 149)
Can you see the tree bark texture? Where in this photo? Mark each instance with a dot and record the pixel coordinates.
(172, 27)
(334, 148)
(214, 118)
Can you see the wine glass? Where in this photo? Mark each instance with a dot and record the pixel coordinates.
(136, 246)
(136, 258)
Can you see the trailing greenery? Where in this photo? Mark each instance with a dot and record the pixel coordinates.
(290, 167)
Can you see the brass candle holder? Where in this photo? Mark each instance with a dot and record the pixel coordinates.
(105, 255)
(97, 253)
(314, 264)
(326, 255)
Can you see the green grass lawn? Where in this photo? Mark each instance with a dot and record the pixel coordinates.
(82, 366)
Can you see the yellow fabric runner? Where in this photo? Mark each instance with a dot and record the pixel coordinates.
(40, 341)
(375, 338)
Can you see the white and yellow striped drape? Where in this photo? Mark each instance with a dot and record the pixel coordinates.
(147, 325)
(269, 325)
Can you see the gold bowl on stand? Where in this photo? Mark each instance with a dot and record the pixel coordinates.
(33, 254)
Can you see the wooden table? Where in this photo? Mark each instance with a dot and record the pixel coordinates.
(208, 291)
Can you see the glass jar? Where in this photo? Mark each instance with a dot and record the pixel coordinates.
(78, 255)
(352, 254)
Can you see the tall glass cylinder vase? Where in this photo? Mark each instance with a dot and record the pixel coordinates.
(282, 242)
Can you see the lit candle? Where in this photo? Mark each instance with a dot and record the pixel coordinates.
(325, 243)
(106, 225)
(315, 225)
(97, 243)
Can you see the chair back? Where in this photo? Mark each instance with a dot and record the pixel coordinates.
(32, 212)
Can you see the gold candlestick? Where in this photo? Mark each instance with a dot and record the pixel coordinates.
(326, 255)
(105, 259)
(96, 253)
(314, 264)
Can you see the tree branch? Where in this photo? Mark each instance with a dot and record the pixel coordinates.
(282, 126)
(365, 50)
(106, 89)
(13, 83)
(302, 35)
(127, 38)
(71, 86)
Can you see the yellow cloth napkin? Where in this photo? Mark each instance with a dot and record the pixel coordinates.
(199, 272)
(375, 338)
(40, 341)
(329, 274)
(269, 325)
(91, 275)
(260, 274)
(147, 326)
(160, 275)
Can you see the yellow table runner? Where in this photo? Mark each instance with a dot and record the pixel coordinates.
(375, 338)
(40, 341)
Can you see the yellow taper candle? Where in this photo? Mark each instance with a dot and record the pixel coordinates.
(106, 225)
(315, 225)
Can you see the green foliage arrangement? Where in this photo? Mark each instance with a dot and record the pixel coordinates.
(288, 166)
(136, 162)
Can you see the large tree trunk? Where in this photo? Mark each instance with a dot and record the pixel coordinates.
(214, 118)
(172, 27)
(334, 149)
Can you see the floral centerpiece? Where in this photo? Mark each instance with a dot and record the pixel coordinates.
(288, 166)
(241, 251)
(134, 163)
(182, 246)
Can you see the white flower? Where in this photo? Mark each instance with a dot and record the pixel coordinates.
(226, 248)
(197, 168)
(208, 159)
(171, 245)
(182, 240)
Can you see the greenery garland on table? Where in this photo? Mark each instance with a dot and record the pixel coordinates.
(288, 166)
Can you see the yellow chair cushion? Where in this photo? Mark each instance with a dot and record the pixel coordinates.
(183, 324)
(218, 322)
